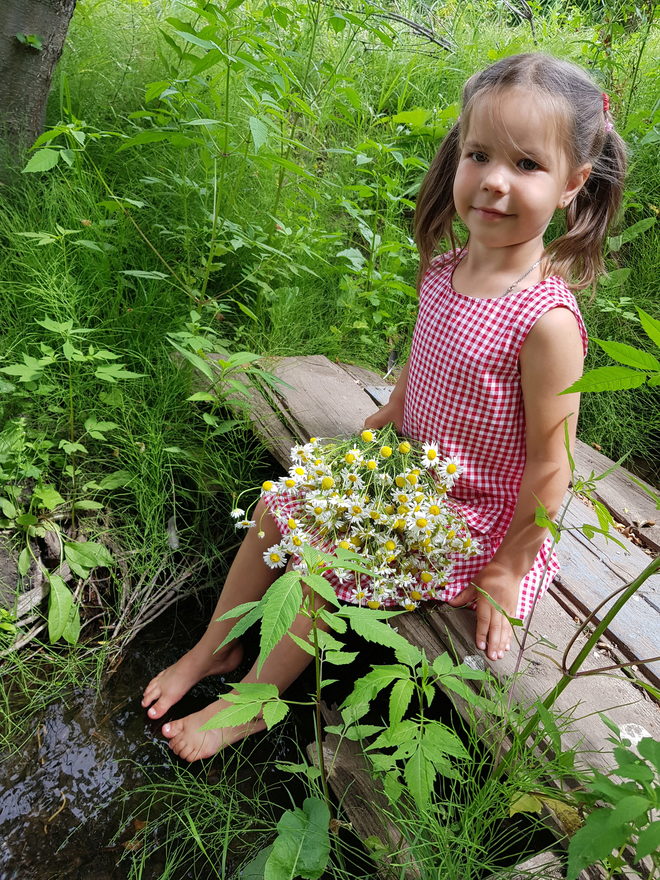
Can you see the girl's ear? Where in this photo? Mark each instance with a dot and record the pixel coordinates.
(574, 184)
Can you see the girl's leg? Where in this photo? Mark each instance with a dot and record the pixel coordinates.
(282, 667)
(248, 579)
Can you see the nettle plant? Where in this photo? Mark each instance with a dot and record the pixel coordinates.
(32, 501)
(409, 753)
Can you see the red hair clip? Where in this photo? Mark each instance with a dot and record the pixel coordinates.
(606, 102)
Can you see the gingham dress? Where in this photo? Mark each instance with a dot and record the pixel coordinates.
(464, 394)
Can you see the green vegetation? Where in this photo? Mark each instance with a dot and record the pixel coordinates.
(219, 181)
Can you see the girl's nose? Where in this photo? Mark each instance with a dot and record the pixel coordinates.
(495, 180)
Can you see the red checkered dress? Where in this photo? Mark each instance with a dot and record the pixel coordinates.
(464, 394)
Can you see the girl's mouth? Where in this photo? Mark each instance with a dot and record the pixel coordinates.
(490, 213)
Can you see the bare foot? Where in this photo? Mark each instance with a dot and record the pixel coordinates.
(172, 683)
(192, 744)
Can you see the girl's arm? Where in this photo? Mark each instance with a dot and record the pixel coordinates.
(392, 411)
(550, 360)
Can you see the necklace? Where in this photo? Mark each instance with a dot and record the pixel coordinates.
(524, 275)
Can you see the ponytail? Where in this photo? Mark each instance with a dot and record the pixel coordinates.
(435, 207)
(578, 254)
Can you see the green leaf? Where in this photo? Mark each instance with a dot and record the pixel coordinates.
(233, 715)
(61, 327)
(631, 807)
(60, 606)
(251, 692)
(99, 429)
(206, 396)
(7, 508)
(650, 748)
(88, 505)
(274, 712)
(281, 605)
(113, 372)
(49, 497)
(252, 615)
(115, 480)
(371, 684)
(419, 774)
(199, 363)
(648, 841)
(24, 561)
(365, 624)
(615, 242)
(42, 160)
(400, 698)
(340, 658)
(254, 870)
(413, 118)
(409, 654)
(321, 586)
(442, 740)
(592, 842)
(302, 845)
(259, 131)
(628, 355)
(607, 379)
(71, 632)
(195, 40)
(83, 557)
(525, 803)
(650, 325)
(443, 664)
(303, 644)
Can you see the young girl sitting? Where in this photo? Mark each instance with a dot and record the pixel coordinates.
(498, 336)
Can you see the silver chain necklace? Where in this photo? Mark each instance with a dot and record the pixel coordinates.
(524, 275)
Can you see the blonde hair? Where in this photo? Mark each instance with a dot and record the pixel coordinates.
(587, 136)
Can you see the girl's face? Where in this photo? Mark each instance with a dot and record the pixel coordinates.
(512, 172)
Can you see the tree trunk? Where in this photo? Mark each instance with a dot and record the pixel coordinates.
(32, 34)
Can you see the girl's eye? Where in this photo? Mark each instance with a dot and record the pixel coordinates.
(477, 156)
(528, 164)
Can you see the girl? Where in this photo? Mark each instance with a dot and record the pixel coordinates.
(498, 336)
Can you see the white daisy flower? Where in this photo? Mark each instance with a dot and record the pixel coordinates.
(237, 513)
(245, 524)
(430, 455)
(275, 556)
(448, 471)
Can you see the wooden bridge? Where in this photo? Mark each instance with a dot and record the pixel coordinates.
(319, 398)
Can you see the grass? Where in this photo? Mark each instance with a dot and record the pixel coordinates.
(288, 235)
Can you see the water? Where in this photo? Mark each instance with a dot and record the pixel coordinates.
(66, 808)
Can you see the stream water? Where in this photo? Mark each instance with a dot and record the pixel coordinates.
(65, 799)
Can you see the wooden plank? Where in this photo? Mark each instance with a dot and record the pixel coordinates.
(592, 569)
(618, 698)
(625, 499)
(544, 866)
(325, 402)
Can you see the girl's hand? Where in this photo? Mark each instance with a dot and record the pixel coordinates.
(494, 632)
(391, 413)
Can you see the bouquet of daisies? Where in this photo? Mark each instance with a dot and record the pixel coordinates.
(384, 499)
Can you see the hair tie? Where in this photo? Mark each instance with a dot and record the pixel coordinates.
(606, 109)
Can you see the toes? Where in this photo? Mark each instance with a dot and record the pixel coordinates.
(158, 709)
(172, 729)
(151, 692)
